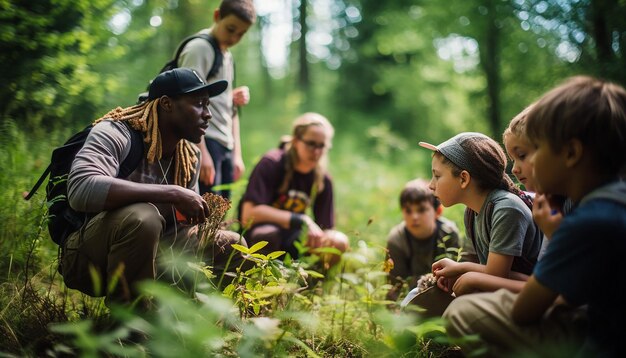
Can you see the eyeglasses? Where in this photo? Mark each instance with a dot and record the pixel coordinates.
(313, 145)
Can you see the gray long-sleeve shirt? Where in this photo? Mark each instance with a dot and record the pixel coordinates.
(98, 163)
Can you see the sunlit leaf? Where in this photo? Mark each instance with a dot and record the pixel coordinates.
(274, 255)
(258, 246)
(241, 248)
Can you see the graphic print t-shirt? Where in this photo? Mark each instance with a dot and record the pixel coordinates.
(266, 178)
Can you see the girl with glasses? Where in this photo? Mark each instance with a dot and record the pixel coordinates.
(289, 197)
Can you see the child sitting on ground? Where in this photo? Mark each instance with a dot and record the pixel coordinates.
(579, 133)
(421, 238)
(470, 169)
(519, 149)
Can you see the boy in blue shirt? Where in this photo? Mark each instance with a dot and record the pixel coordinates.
(579, 131)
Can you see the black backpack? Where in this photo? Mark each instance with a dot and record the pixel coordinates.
(62, 219)
(173, 63)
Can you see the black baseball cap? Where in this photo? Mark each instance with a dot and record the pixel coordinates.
(182, 81)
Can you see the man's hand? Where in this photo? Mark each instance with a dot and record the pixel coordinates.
(191, 205)
(241, 96)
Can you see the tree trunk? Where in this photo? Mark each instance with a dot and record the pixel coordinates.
(303, 74)
(490, 62)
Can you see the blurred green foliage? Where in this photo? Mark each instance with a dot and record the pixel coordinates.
(386, 73)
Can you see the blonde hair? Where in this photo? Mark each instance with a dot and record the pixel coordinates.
(517, 126)
(300, 126)
(144, 118)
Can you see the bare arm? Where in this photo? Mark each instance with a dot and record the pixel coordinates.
(264, 214)
(450, 268)
(239, 166)
(189, 203)
(251, 213)
(207, 168)
(532, 302)
(498, 265)
(471, 282)
(449, 271)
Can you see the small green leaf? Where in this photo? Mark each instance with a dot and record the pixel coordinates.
(314, 274)
(241, 248)
(256, 247)
(274, 255)
(260, 256)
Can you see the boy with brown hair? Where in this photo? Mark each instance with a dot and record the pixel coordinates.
(221, 161)
(421, 238)
(579, 131)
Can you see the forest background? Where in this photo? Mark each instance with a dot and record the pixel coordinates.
(386, 73)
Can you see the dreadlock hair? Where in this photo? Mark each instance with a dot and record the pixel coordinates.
(487, 155)
(300, 126)
(144, 118)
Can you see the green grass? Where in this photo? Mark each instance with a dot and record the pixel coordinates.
(345, 314)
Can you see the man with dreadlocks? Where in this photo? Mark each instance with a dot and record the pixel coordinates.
(131, 221)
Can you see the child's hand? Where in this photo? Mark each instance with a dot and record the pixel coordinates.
(241, 96)
(445, 267)
(466, 283)
(445, 284)
(314, 234)
(547, 218)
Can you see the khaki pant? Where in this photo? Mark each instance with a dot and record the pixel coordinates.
(118, 248)
(488, 315)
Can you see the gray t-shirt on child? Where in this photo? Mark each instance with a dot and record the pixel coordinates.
(199, 55)
(513, 231)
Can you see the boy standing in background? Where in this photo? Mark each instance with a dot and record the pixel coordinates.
(421, 238)
(222, 161)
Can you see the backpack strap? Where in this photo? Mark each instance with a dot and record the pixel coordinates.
(136, 153)
(38, 184)
(126, 168)
(468, 220)
(219, 58)
(76, 138)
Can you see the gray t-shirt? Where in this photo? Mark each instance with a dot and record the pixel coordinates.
(199, 55)
(98, 162)
(513, 231)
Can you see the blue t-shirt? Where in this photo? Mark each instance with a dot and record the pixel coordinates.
(585, 263)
